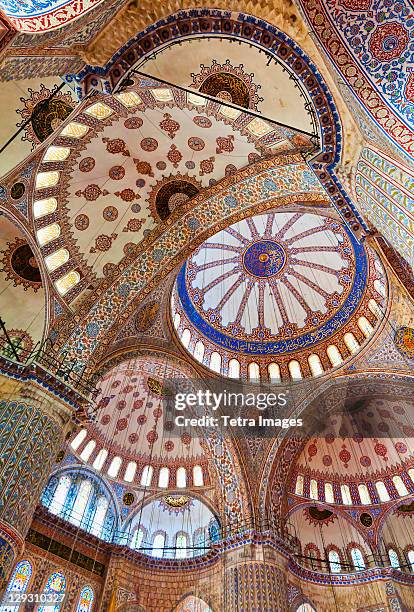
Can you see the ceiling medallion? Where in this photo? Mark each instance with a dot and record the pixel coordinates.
(170, 193)
(264, 258)
(45, 113)
(20, 265)
(229, 83)
(128, 498)
(366, 519)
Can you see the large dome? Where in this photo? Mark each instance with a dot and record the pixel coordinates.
(276, 284)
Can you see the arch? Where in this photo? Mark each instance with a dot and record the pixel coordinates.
(56, 583)
(18, 582)
(181, 545)
(190, 603)
(78, 439)
(364, 494)
(295, 370)
(181, 478)
(100, 459)
(215, 362)
(158, 545)
(274, 373)
(198, 479)
(351, 343)
(334, 562)
(88, 450)
(82, 500)
(114, 468)
(164, 478)
(334, 355)
(357, 559)
(59, 497)
(86, 599)
(234, 368)
(305, 607)
(315, 365)
(253, 371)
(146, 476)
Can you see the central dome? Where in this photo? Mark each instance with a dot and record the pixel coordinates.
(273, 284)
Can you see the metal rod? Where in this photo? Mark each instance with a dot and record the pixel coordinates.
(248, 111)
(2, 325)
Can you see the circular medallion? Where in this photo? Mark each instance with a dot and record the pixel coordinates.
(366, 519)
(404, 341)
(264, 258)
(128, 499)
(17, 191)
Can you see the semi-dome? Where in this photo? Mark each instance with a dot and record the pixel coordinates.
(278, 287)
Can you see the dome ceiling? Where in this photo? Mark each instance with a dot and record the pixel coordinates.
(133, 421)
(274, 284)
(126, 162)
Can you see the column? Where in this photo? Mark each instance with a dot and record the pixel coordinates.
(255, 580)
(33, 424)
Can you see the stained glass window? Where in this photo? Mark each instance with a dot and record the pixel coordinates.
(357, 559)
(181, 546)
(18, 582)
(99, 516)
(60, 494)
(158, 545)
(394, 560)
(55, 584)
(410, 557)
(85, 600)
(334, 562)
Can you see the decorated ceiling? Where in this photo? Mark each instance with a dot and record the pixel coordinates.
(276, 285)
(370, 43)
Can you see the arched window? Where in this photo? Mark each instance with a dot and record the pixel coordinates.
(181, 546)
(351, 342)
(382, 491)
(56, 584)
(181, 478)
(299, 485)
(59, 497)
(215, 362)
(234, 368)
(315, 365)
(393, 557)
(357, 559)
(334, 562)
(137, 538)
(114, 468)
(130, 471)
(199, 351)
(410, 557)
(186, 337)
(400, 486)
(294, 370)
(365, 326)
(379, 287)
(313, 494)
(81, 502)
(78, 439)
(88, 450)
(99, 516)
(158, 545)
(146, 476)
(374, 308)
(86, 598)
(100, 459)
(274, 373)
(346, 495)
(410, 472)
(306, 608)
(253, 371)
(177, 320)
(163, 478)
(329, 494)
(198, 479)
(18, 582)
(364, 494)
(334, 355)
